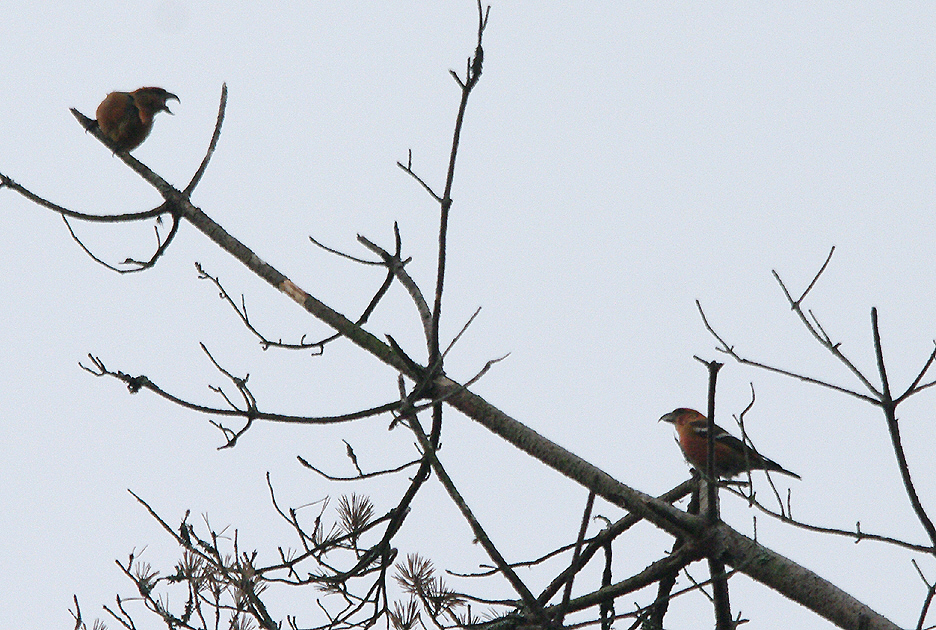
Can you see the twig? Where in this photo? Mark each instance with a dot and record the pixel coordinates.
(342, 254)
(473, 73)
(215, 136)
(824, 338)
(913, 388)
(576, 554)
(816, 278)
(856, 534)
(893, 428)
(93, 218)
(730, 351)
(930, 593)
(425, 315)
(161, 247)
(530, 603)
(361, 475)
(136, 383)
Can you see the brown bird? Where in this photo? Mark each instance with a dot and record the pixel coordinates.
(126, 118)
(732, 456)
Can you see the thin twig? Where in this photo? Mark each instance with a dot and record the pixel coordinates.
(408, 169)
(912, 389)
(93, 218)
(857, 534)
(136, 383)
(396, 266)
(825, 340)
(161, 247)
(342, 254)
(893, 427)
(530, 603)
(816, 278)
(576, 554)
(215, 136)
(473, 73)
(730, 351)
(361, 475)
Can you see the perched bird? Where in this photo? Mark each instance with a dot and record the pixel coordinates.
(732, 456)
(126, 118)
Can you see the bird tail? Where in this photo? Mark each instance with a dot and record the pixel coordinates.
(770, 464)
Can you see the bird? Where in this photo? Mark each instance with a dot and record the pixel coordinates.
(126, 118)
(732, 456)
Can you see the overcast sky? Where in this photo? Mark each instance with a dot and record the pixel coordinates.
(619, 161)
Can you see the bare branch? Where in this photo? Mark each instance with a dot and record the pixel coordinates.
(930, 593)
(342, 254)
(730, 351)
(606, 536)
(816, 278)
(445, 204)
(915, 385)
(215, 136)
(893, 428)
(824, 339)
(576, 554)
(136, 383)
(396, 266)
(241, 311)
(161, 247)
(93, 218)
(857, 534)
(529, 601)
(408, 169)
(360, 475)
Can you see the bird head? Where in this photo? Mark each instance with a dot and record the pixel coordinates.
(674, 416)
(154, 99)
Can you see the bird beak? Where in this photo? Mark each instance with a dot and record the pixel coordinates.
(169, 95)
(670, 417)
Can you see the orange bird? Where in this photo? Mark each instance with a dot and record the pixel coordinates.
(126, 118)
(732, 456)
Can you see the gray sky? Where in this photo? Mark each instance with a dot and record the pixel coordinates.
(619, 161)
